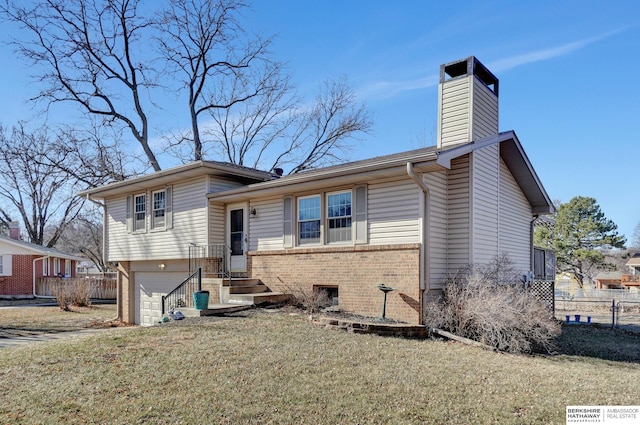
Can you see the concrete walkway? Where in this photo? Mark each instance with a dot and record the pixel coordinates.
(57, 336)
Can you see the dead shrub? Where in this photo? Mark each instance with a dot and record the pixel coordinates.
(72, 292)
(311, 300)
(490, 305)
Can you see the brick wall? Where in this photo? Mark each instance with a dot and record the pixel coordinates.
(355, 270)
(20, 283)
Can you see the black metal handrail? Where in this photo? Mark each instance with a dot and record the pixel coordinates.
(181, 296)
(213, 259)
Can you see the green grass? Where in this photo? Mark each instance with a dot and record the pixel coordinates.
(271, 368)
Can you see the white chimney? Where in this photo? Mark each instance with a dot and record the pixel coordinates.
(467, 102)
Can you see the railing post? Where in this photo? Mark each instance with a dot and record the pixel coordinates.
(199, 278)
(163, 298)
(613, 313)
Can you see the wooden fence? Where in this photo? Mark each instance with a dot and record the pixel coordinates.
(99, 287)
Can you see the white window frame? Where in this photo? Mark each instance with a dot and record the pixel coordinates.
(154, 210)
(137, 227)
(56, 266)
(299, 221)
(45, 266)
(6, 265)
(67, 267)
(347, 217)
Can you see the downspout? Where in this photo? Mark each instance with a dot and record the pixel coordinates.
(34, 272)
(104, 248)
(425, 281)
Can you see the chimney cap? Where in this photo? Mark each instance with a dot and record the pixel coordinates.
(469, 66)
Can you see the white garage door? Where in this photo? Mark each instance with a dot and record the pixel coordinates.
(150, 287)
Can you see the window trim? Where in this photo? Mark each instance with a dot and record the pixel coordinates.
(67, 268)
(56, 266)
(327, 218)
(45, 266)
(154, 209)
(319, 220)
(359, 234)
(135, 228)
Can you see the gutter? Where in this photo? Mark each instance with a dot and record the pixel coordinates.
(425, 266)
(34, 272)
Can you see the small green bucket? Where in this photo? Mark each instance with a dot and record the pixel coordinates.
(201, 300)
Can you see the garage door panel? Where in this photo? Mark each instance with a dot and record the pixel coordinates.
(150, 287)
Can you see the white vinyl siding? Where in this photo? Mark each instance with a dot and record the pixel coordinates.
(485, 111)
(454, 125)
(217, 222)
(217, 184)
(189, 226)
(458, 242)
(266, 229)
(484, 205)
(437, 220)
(515, 221)
(468, 111)
(6, 265)
(393, 212)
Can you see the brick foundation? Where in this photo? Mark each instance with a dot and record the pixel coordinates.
(355, 270)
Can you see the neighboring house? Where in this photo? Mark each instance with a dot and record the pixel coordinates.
(22, 263)
(619, 280)
(406, 220)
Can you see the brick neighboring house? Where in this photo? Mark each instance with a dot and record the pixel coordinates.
(21, 263)
(407, 220)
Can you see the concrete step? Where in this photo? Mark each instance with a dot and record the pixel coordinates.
(248, 289)
(257, 299)
(236, 281)
(214, 310)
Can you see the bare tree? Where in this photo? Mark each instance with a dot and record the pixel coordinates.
(39, 193)
(95, 53)
(84, 236)
(87, 52)
(205, 45)
(324, 131)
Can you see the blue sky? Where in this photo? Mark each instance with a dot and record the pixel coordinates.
(569, 78)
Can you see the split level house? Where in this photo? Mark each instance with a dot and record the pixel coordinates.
(22, 264)
(406, 220)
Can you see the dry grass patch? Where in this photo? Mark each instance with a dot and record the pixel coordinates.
(23, 321)
(279, 369)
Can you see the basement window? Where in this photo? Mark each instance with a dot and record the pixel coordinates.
(326, 296)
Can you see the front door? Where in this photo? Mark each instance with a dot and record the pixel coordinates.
(237, 236)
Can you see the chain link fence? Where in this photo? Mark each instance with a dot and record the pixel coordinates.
(616, 308)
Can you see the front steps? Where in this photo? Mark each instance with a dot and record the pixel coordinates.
(235, 295)
(249, 292)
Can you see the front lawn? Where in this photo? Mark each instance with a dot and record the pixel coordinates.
(277, 368)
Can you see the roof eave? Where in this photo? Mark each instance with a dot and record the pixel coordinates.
(350, 173)
(163, 177)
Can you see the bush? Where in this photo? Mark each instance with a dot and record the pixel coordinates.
(311, 300)
(75, 292)
(490, 305)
